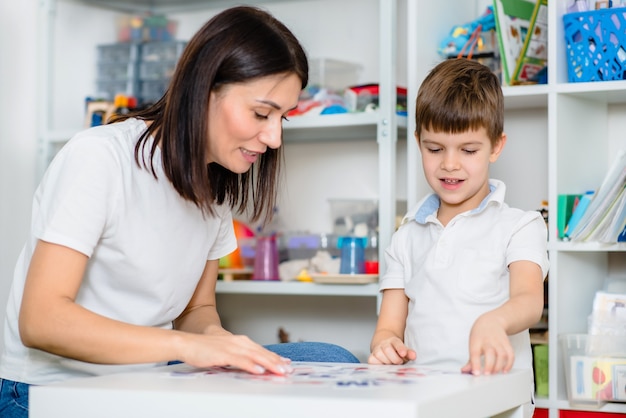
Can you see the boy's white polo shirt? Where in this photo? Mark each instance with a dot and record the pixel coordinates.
(454, 274)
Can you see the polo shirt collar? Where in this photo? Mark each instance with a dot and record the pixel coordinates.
(431, 203)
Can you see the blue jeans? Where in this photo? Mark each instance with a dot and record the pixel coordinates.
(313, 351)
(14, 395)
(13, 399)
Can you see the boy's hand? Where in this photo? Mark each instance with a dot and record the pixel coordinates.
(489, 347)
(391, 351)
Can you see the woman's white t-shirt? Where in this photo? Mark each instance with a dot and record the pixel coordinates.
(147, 246)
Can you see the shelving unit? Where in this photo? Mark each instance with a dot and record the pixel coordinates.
(583, 129)
(352, 303)
(296, 288)
(561, 140)
(581, 135)
(381, 124)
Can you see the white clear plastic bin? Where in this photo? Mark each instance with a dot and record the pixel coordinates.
(306, 246)
(162, 51)
(107, 89)
(110, 71)
(595, 368)
(151, 91)
(120, 52)
(333, 74)
(156, 70)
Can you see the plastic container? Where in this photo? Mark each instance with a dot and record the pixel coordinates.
(354, 216)
(156, 70)
(110, 71)
(333, 74)
(595, 368)
(120, 52)
(108, 89)
(266, 259)
(302, 247)
(595, 44)
(151, 91)
(162, 51)
(352, 255)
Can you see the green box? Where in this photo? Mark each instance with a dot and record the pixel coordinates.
(540, 359)
(565, 207)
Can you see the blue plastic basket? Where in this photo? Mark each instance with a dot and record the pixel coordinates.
(595, 44)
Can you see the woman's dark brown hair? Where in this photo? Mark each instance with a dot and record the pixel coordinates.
(237, 45)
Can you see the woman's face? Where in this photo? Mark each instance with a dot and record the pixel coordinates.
(245, 119)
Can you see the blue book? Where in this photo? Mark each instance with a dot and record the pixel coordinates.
(578, 213)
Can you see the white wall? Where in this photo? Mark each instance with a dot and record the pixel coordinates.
(18, 136)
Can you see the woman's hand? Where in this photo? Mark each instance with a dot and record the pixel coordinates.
(225, 349)
(51, 320)
(204, 342)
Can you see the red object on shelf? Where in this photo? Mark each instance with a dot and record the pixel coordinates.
(373, 89)
(541, 413)
(371, 267)
(587, 414)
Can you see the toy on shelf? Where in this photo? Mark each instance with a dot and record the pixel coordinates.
(238, 264)
(475, 40)
(466, 39)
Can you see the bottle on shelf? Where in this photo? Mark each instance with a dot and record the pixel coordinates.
(371, 254)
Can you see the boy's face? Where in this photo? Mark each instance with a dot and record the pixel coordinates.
(456, 167)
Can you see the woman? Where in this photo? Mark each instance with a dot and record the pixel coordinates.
(131, 218)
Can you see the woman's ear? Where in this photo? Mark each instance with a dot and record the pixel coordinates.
(497, 148)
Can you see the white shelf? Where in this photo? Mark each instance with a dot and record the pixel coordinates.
(525, 97)
(251, 287)
(299, 128)
(614, 407)
(566, 246)
(306, 121)
(345, 126)
(611, 92)
(162, 6)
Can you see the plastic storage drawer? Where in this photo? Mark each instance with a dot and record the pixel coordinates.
(121, 52)
(162, 51)
(156, 70)
(151, 91)
(112, 71)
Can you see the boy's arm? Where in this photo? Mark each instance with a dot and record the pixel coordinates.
(387, 345)
(489, 334)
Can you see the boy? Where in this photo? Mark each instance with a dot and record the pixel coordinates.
(465, 272)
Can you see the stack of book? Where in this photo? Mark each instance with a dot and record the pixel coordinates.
(522, 27)
(601, 215)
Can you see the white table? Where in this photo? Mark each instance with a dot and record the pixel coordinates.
(314, 390)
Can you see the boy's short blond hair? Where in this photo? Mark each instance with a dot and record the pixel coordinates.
(460, 95)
